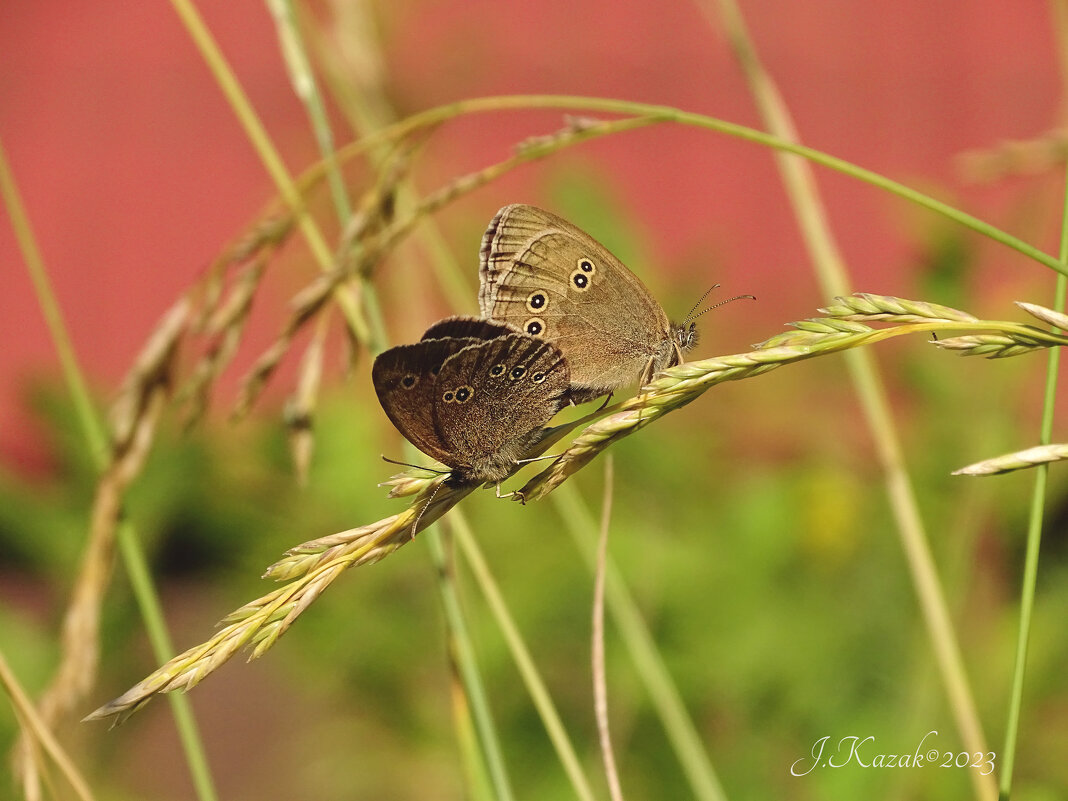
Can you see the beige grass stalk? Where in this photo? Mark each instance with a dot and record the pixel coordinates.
(365, 247)
(38, 734)
(842, 330)
(311, 567)
(1018, 460)
(597, 660)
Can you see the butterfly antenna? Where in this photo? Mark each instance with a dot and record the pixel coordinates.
(433, 470)
(700, 300)
(691, 316)
(418, 517)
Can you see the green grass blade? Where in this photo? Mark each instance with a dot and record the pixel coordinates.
(467, 666)
(521, 654)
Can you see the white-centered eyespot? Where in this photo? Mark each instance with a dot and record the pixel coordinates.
(537, 300)
(535, 326)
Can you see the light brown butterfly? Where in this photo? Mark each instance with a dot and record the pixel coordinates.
(552, 280)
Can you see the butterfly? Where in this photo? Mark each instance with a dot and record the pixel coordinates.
(554, 281)
(473, 394)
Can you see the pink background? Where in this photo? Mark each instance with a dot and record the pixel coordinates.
(135, 173)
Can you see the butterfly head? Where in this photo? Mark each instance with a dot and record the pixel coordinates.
(686, 335)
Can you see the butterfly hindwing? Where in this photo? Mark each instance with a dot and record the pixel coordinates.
(494, 398)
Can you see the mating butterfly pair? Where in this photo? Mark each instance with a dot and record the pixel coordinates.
(566, 322)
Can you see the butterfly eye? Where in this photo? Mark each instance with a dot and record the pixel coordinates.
(497, 370)
(534, 326)
(586, 266)
(537, 378)
(409, 381)
(464, 393)
(517, 372)
(537, 300)
(448, 396)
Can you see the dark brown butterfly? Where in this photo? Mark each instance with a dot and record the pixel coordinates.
(473, 394)
(552, 280)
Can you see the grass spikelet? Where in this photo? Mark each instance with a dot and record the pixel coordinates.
(226, 325)
(680, 385)
(868, 306)
(308, 570)
(1055, 318)
(301, 405)
(1019, 460)
(1014, 158)
(991, 346)
(152, 370)
(311, 567)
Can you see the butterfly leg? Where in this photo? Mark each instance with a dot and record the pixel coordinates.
(515, 495)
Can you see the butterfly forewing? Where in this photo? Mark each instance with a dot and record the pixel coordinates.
(550, 279)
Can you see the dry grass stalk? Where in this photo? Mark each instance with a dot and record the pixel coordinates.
(1025, 157)
(226, 325)
(313, 299)
(301, 405)
(40, 740)
(311, 567)
(1029, 457)
(680, 385)
(135, 416)
(366, 243)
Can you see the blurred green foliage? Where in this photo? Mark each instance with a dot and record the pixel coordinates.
(752, 527)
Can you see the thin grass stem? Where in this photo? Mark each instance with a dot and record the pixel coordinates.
(439, 114)
(264, 147)
(527, 670)
(664, 695)
(140, 578)
(86, 412)
(467, 667)
(597, 660)
(39, 733)
(291, 44)
(1038, 493)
